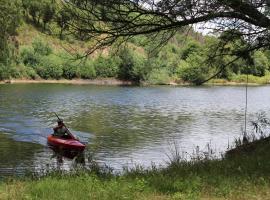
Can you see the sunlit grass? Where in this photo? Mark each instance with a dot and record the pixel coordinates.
(241, 79)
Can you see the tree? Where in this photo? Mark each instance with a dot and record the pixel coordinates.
(131, 64)
(48, 12)
(40, 10)
(32, 8)
(62, 19)
(109, 21)
(9, 21)
(261, 63)
(125, 18)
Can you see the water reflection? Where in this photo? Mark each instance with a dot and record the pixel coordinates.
(61, 154)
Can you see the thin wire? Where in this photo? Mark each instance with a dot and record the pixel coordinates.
(246, 105)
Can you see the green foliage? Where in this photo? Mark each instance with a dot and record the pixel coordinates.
(10, 16)
(87, 70)
(31, 73)
(70, 70)
(182, 58)
(193, 69)
(40, 47)
(4, 74)
(159, 76)
(40, 10)
(131, 65)
(192, 47)
(18, 71)
(242, 78)
(48, 11)
(261, 64)
(62, 19)
(50, 67)
(107, 67)
(29, 57)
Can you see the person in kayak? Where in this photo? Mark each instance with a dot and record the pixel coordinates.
(60, 130)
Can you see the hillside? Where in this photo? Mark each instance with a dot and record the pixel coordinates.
(40, 46)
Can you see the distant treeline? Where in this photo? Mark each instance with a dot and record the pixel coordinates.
(185, 58)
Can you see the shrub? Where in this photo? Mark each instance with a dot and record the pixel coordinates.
(193, 70)
(40, 47)
(159, 76)
(131, 65)
(70, 70)
(261, 64)
(191, 48)
(3, 72)
(18, 71)
(87, 70)
(50, 67)
(31, 73)
(29, 57)
(107, 67)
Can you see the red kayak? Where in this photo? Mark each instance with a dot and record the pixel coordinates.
(65, 143)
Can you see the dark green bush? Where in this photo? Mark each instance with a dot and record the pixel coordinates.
(261, 64)
(50, 67)
(193, 69)
(29, 57)
(87, 70)
(107, 67)
(4, 74)
(131, 65)
(70, 70)
(191, 48)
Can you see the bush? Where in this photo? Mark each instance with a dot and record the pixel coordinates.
(29, 57)
(192, 47)
(107, 67)
(18, 71)
(31, 73)
(3, 72)
(131, 65)
(242, 78)
(261, 64)
(40, 47)
(70, 70)
(159, 76)
(87, 70)
(50, 67)
(192, 70)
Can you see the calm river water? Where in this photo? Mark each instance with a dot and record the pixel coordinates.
(122, 126)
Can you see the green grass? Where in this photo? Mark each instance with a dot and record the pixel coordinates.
(243, 174)
(241, 79)
(252, 79)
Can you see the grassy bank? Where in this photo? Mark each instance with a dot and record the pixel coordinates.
(243, 174)
(239, 80)
(242, 79)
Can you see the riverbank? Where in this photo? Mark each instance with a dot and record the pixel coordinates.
(105, 81)
(117, 82)
(242, 175)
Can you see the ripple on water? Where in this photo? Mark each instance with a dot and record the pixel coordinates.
(121, 124)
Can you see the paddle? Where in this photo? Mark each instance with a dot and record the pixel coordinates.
(72, 136)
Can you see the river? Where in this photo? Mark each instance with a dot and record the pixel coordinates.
(122, 126)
